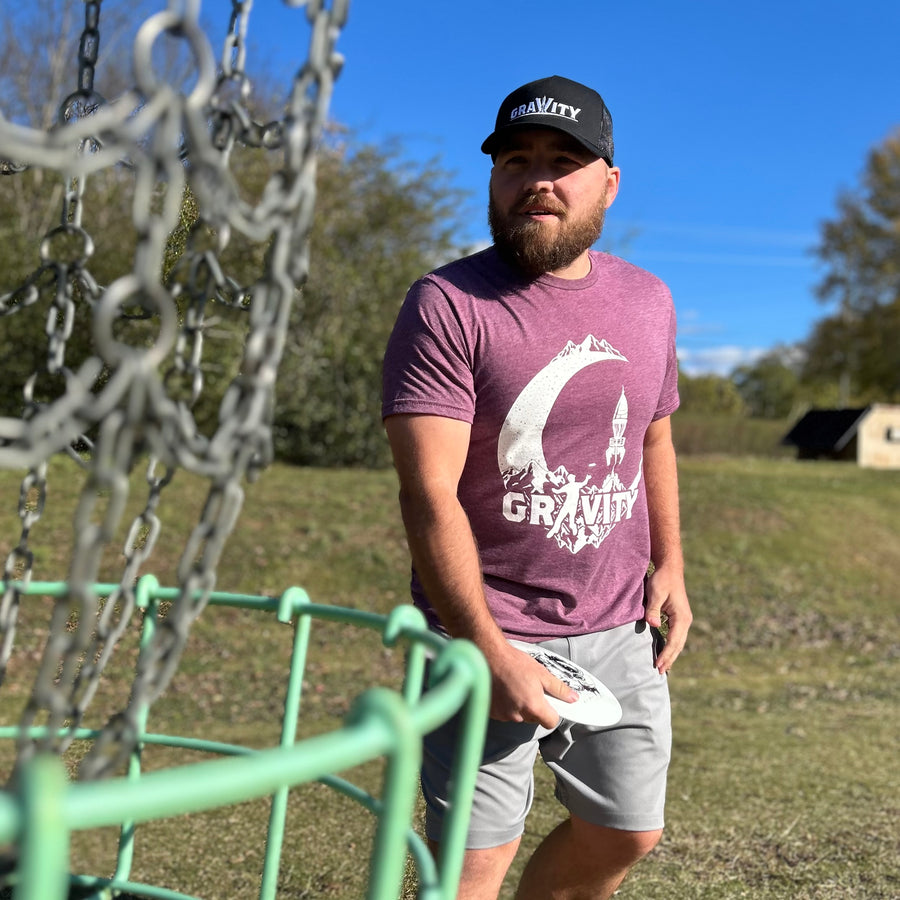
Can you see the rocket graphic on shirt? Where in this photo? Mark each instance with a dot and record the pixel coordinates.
(577, 509)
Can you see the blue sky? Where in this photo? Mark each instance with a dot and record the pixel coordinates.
(736, 125)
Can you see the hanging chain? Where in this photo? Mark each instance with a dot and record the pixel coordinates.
(62, 278)
(180, 141)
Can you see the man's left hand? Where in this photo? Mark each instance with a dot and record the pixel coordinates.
(667, 600)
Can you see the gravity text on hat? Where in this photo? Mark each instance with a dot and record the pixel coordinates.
(559, 103)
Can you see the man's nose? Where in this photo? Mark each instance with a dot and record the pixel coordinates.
(539, 178)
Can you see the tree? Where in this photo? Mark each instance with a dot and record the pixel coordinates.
(857, 353)
(709, 395)
(857, 347)
(770, 386)
(40, 74)
(381, 222)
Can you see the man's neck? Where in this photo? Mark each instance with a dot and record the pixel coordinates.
(578, 268)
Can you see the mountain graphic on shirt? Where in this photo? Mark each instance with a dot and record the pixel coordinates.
(590, 343)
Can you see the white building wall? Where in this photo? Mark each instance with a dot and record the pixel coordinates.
(879, 438)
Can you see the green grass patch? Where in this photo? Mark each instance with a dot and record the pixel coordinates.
(730, 435)
(783, 783)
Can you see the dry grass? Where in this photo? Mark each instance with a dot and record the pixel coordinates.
(785, 704)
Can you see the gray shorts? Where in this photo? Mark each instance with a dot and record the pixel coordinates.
(613, 776)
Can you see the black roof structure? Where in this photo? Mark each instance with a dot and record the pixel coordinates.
(825, 430)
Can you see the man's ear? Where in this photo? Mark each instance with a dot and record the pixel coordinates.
(612, 185)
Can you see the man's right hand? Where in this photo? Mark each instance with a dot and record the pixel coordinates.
(520, 686)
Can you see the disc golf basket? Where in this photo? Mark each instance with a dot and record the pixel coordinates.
(118, 385)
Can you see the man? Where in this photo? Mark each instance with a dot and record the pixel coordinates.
(527, 395)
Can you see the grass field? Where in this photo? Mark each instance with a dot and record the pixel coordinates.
(784, 782)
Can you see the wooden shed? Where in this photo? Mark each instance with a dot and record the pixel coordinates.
(868, 435)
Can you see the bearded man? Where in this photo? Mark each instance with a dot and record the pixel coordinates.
(527, 396)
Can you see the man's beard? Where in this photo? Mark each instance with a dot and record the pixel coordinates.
(526, 246)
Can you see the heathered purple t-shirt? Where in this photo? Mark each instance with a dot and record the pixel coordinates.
(559, 380)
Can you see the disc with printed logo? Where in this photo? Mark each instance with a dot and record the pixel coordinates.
(596, 705)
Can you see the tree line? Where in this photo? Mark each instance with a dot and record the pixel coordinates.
(381, 222)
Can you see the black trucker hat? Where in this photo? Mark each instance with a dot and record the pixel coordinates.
(560, 103)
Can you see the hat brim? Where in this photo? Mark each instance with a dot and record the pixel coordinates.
(494, 140)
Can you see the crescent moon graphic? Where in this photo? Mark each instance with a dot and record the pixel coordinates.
(521, 441)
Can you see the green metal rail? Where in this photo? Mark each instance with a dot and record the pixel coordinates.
(46, 808)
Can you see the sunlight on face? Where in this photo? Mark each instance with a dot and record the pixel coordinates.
(548, 200)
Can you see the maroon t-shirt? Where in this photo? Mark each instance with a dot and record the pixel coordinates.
(559, 379)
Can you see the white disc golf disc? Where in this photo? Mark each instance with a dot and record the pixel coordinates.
(595, 705)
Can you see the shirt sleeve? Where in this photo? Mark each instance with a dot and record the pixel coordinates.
(669, 399)
(427, 365)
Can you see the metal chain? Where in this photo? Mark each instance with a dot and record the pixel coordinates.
(63, 278)
(180, 141)
(89, 46)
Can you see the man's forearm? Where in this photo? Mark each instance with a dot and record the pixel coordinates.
(429, 454)
(445, 557)
(661, 484)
